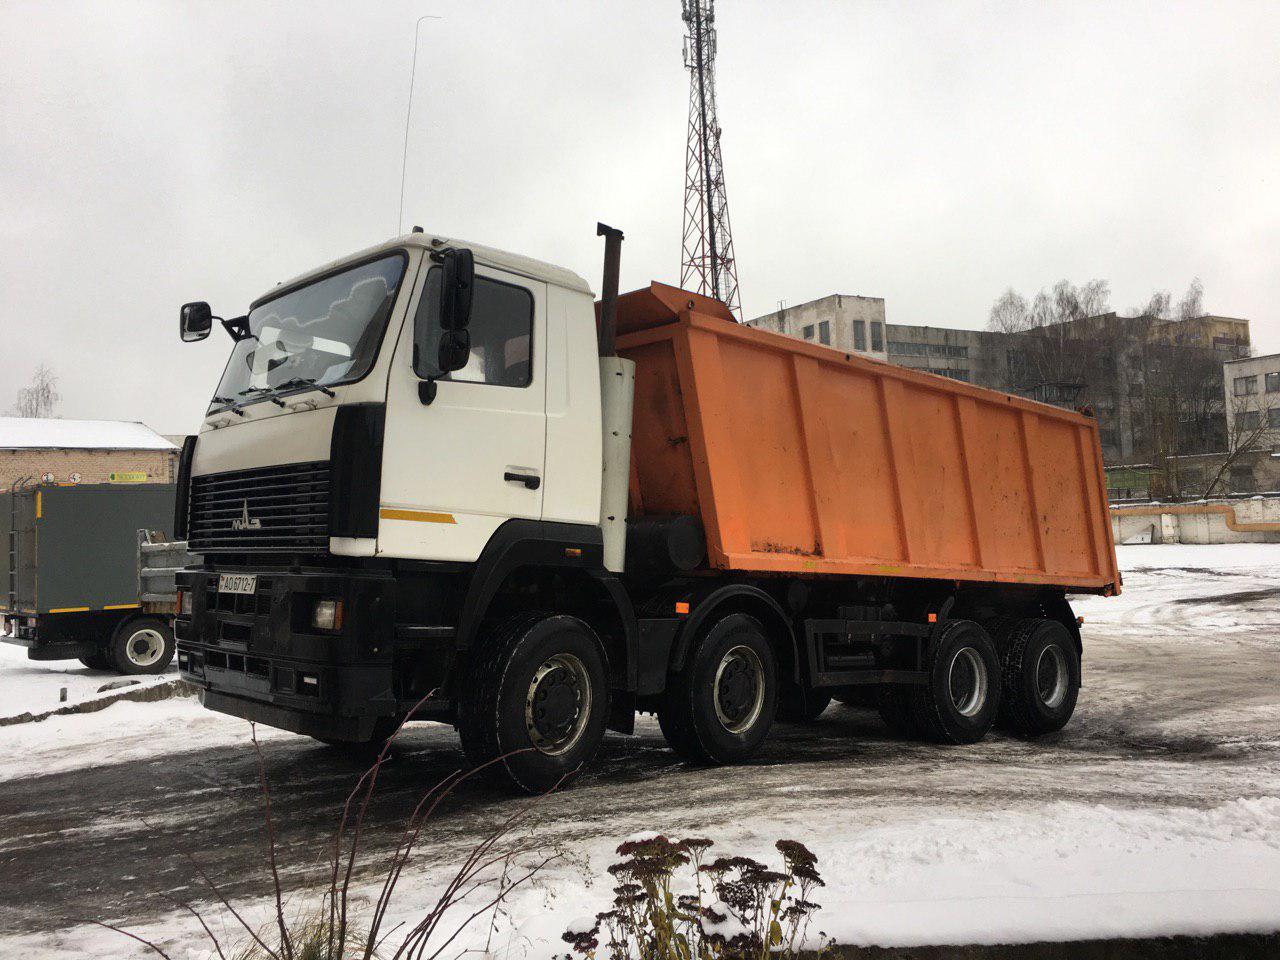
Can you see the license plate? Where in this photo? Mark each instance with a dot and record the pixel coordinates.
(237, 583)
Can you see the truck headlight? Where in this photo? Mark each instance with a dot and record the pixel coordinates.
(184, 603)
(327, 615)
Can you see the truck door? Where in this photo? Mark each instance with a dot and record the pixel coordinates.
(456, 468)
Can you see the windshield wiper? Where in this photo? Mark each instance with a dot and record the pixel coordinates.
(230, 405)
(305, 382)
(252, 390)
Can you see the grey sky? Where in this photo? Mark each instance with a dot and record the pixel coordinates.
(931, 154)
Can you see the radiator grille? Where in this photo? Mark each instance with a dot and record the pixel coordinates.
(287, 510)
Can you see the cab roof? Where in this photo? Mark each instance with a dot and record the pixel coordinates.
(487, 256)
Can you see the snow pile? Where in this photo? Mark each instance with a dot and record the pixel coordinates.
(35, 686)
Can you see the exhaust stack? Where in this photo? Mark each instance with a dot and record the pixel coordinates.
(609, 287)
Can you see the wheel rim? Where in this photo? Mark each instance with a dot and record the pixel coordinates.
(144, 648)
(558, 704)
(739, 689)
(967, 682)
(1051, 676)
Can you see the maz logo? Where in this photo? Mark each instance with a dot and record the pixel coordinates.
(245, 522)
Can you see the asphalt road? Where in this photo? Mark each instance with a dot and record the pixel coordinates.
(1171, 714)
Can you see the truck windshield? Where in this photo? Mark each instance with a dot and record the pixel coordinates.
(326, 332)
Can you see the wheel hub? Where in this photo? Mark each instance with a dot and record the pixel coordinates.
(739, 689)
(967, 682)
(1051, 677)
(145, 647)
(558, 704)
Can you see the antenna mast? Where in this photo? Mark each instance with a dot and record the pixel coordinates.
(707, 263)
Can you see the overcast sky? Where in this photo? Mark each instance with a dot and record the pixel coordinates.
(932, 154)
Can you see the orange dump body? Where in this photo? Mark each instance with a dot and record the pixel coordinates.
(800, 459)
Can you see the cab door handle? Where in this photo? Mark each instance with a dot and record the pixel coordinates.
(530, 480)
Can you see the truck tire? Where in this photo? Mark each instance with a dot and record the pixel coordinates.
(141, 645)
(96, 661)
(1041, 678)
(536, 701)
(800, 706)
(719, 708)
(959, 702)
(897, 712)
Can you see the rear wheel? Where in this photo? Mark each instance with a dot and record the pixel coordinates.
(719, 708)
(801, 706)
(141, 646)
(958, 703)
(1041, 678)
(895, 707)
(96, 661)
(536, 702)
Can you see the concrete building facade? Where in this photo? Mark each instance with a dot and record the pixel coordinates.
(1156, 386)
(849, 323)
(1251, 397)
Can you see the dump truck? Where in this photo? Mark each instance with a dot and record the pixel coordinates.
(89, 574)
(438, 481)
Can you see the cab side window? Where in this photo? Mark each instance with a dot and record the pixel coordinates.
(501, 334)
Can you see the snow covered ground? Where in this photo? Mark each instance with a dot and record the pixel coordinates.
(30, 686)
(1156, 811)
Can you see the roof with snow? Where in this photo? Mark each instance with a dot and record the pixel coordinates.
(29, 433)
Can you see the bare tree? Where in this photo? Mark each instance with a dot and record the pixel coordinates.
(41, 397)
(1249, 428)
(1059, 338)
(1192, 303)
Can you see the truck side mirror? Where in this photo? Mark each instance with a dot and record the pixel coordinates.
(195, 320)
(455, 350)
(456, 287)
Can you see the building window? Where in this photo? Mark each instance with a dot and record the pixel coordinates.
(1242, 480)
(877, 336)
(908, 349)
(1273, 418)
(859, 335)
(824, 332)
(1246, 386)
(807, 332)
(1273, 383)
(1247, 420)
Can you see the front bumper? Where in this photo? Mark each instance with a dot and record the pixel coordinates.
(258, 657)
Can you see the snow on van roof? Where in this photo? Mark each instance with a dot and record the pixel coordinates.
(26, 433)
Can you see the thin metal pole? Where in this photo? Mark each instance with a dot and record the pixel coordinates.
(404, 160)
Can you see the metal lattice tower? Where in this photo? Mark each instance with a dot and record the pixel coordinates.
(707, 263)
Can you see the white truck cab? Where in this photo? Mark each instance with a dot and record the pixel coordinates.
(515, 433)
(402, 441)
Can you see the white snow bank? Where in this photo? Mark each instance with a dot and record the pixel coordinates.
(1061, 871)
(35, 686)
(121, 733)
(25, 433)
(1215, 556)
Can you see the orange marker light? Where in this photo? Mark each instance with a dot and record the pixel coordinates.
(933, 618)
(1079, 621)
(682, 607)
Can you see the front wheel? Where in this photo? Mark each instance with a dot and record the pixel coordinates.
(719, 708)
(141, 646)
(536, 702)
